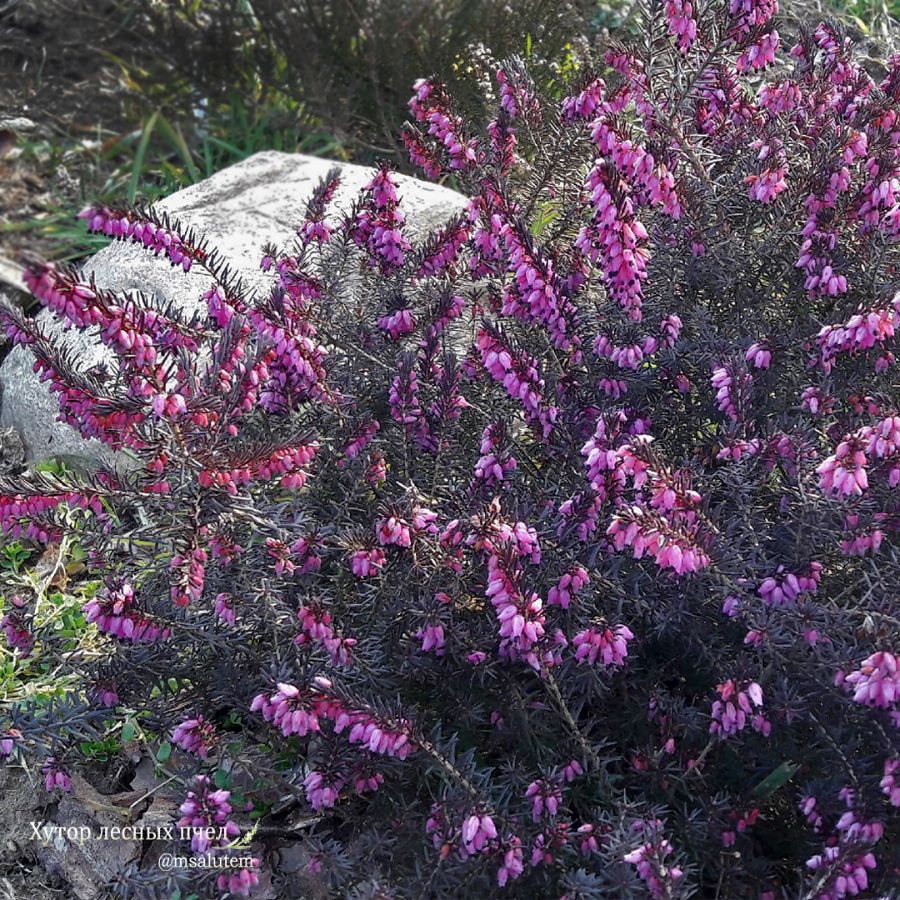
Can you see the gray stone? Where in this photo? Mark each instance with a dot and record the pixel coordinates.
(18, 124)
(240, 210)
(12, 451)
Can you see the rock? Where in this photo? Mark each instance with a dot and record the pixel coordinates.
(18, 124)
(240, 210)
(12, 451)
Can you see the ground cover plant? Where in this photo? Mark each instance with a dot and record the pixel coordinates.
(553, 555)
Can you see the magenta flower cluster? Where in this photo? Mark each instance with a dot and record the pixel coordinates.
(206, 811)
(296, 711)
(195, 736)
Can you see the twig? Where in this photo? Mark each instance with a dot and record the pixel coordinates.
(589, 753)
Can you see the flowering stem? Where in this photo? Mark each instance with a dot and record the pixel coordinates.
(836, 747)
(448, 767)
(697, 75)
(695, 768)
(550, 681)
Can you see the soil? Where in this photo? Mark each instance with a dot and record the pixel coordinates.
(26, 195)
(56, 90)
(21, 876)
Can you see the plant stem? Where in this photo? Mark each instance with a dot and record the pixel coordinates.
(563, 709)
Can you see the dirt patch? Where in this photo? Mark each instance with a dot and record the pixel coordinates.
(21, 875)
(44, 852)
(58, 92)
(26, 195)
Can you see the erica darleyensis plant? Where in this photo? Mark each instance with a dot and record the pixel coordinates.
(554, 555)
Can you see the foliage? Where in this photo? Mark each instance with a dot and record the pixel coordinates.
(554, 554)
(170, 93)
(39, 599)
(153, 160)
(346, 64)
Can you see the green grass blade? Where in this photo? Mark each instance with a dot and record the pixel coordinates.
(775, 780)
(233, 149)
(138, 165)
(174, 136)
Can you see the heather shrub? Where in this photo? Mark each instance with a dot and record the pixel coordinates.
(555, 554)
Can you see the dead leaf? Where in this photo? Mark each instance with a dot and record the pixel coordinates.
(49, 566)
(47, 560)
(8, 140)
